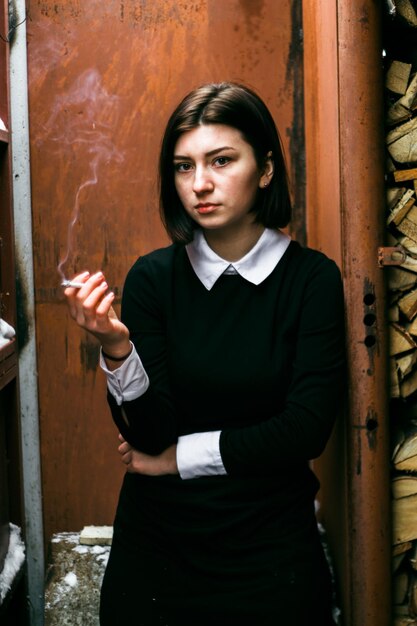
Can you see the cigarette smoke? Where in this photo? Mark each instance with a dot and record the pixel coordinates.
(75, 213)
(89, 134)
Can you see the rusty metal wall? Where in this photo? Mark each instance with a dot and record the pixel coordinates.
(103, 77)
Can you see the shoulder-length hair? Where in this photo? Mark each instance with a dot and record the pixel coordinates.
(237, 106)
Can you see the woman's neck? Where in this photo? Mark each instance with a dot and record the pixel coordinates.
(233, 246)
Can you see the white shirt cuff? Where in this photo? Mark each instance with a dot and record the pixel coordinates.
(199, 455)
(129, 381)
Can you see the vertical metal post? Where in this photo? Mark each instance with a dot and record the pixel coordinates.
(321, 115)
(345, 213)
(28, 382)
(362, 209)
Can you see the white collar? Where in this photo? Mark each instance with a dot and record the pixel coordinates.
(254, 267)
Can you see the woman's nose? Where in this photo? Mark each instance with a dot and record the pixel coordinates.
(202, 180)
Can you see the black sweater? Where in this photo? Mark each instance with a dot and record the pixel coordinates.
(263, 363)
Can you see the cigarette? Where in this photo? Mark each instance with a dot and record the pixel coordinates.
(71, 283)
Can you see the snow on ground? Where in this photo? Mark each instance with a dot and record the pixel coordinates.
(14, 560)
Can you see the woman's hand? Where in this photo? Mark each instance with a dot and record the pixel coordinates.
(91, 307)
(140, 463)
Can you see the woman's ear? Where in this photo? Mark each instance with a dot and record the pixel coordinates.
(268, 171)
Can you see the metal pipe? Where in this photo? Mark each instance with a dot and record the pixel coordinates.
(345, 208)
(28, 384)
(362, 209)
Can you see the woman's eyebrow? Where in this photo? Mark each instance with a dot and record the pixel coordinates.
(208, 154)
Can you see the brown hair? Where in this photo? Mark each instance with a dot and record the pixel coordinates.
(237, 106)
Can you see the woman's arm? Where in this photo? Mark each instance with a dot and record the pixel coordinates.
(149, 422)
(316, 391)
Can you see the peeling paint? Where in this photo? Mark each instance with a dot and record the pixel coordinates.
(295, 76)
(72, 8)
(89, 355)
(252, 9)
(371, 428)
(359, 453)
(364, 19)
(22, 315)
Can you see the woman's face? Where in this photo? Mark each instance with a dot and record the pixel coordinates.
(217, 177)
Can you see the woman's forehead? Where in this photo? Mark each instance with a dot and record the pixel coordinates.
(207, 138)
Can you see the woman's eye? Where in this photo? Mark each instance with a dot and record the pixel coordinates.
(182, 167)
(221, 161)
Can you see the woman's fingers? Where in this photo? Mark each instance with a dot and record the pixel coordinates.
(124, 448)
(125, 451)
(146, 464)
(90, 305)
(71, 292)
(104, 308)
(91, 301)
(89, 286)
(76, 295)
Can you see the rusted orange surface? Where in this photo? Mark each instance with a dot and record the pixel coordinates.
(345, 208)
(363, 205)
(103, 77)
(324, 232)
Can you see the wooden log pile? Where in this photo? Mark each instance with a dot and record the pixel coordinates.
(401, 221)
(400, 263)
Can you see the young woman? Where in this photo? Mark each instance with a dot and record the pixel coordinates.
(225, 374)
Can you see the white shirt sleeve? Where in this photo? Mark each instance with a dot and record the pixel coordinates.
(198, 455)
(129, 381)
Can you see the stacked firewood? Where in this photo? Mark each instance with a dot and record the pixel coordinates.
(399, 256)
(401, 140)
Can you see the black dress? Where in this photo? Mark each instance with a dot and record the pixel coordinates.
(265, 365)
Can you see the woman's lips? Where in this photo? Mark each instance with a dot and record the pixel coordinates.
(206, 208)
